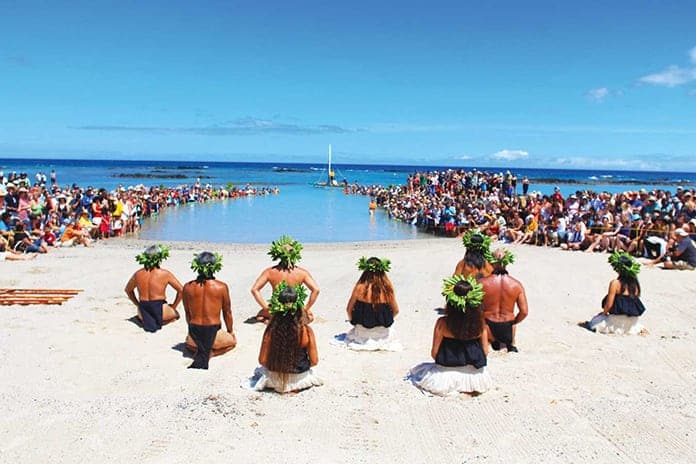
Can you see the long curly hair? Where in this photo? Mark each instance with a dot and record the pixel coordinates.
(466, 325)
(285, 331)
(377, 286)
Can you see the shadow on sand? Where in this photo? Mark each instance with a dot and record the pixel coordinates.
(181, 347)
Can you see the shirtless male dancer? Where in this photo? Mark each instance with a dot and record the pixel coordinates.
(501, 292)
(204, 299)
(151, 283)
(287, 251)
(475, 262)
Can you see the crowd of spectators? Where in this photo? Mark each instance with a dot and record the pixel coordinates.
(35, 216)
(450, 202)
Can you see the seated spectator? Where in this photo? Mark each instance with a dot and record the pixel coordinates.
(683, 256)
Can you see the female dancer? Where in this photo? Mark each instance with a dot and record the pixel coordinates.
(371, 309)
(460, 343)
(475, 261)
(621, 307)
(288, 349)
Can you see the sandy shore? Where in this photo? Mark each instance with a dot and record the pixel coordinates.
(82, 383)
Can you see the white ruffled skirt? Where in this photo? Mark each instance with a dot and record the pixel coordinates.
(264, 379)
(616, 324)
(442, 380)
(375, 339)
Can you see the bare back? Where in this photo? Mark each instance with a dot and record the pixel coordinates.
(152, 284)
(501, 293)
(204, 301)
(275, 275)
(294, 276)
(467, 270)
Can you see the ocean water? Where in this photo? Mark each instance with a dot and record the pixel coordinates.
(301, 210)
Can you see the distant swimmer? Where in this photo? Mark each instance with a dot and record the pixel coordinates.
(475, 262)
(501, 293)
(151, 282)
(204, 299)
(287, 252)
(373, 205)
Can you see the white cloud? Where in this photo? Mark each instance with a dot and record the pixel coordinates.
(510, 155)
(671, 77)
(598, 94)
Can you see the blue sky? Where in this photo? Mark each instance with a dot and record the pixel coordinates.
(528, 84)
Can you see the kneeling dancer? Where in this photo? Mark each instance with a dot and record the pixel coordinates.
(204, 299)
(151, 282)
(371, 309)
(502, 292)
(621, 307)
(460, 343)
(288, 349)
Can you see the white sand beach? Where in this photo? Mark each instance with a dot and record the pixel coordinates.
(82, 383)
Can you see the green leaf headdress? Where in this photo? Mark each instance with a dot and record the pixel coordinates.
(206, 264)
(374, 264)
(476, 241)
(286, 250)
(276, 306)
(472, 299)
(501, 257)
(152, 256)
(624, 264)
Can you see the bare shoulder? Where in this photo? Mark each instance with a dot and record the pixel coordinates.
(302, 271)
(218, 285)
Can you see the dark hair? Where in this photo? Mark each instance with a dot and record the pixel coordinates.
(474, 257)
(287, 295)
(464, 325)
(630, 283)
(378, 283)
(285, 331)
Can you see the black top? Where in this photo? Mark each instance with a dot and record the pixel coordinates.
(302, 362)
(372, 315)
(626, 305)
(455, 352)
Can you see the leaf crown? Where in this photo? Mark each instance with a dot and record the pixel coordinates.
(152, 256)
(275, 305)
(502, 257)
(472, 299)
(206, 264)
(624, 264)
(286, 250)
(477, 241)
(374, 264)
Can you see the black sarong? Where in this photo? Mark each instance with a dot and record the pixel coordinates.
(502, 331)
(204, 337)
(151, 314)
